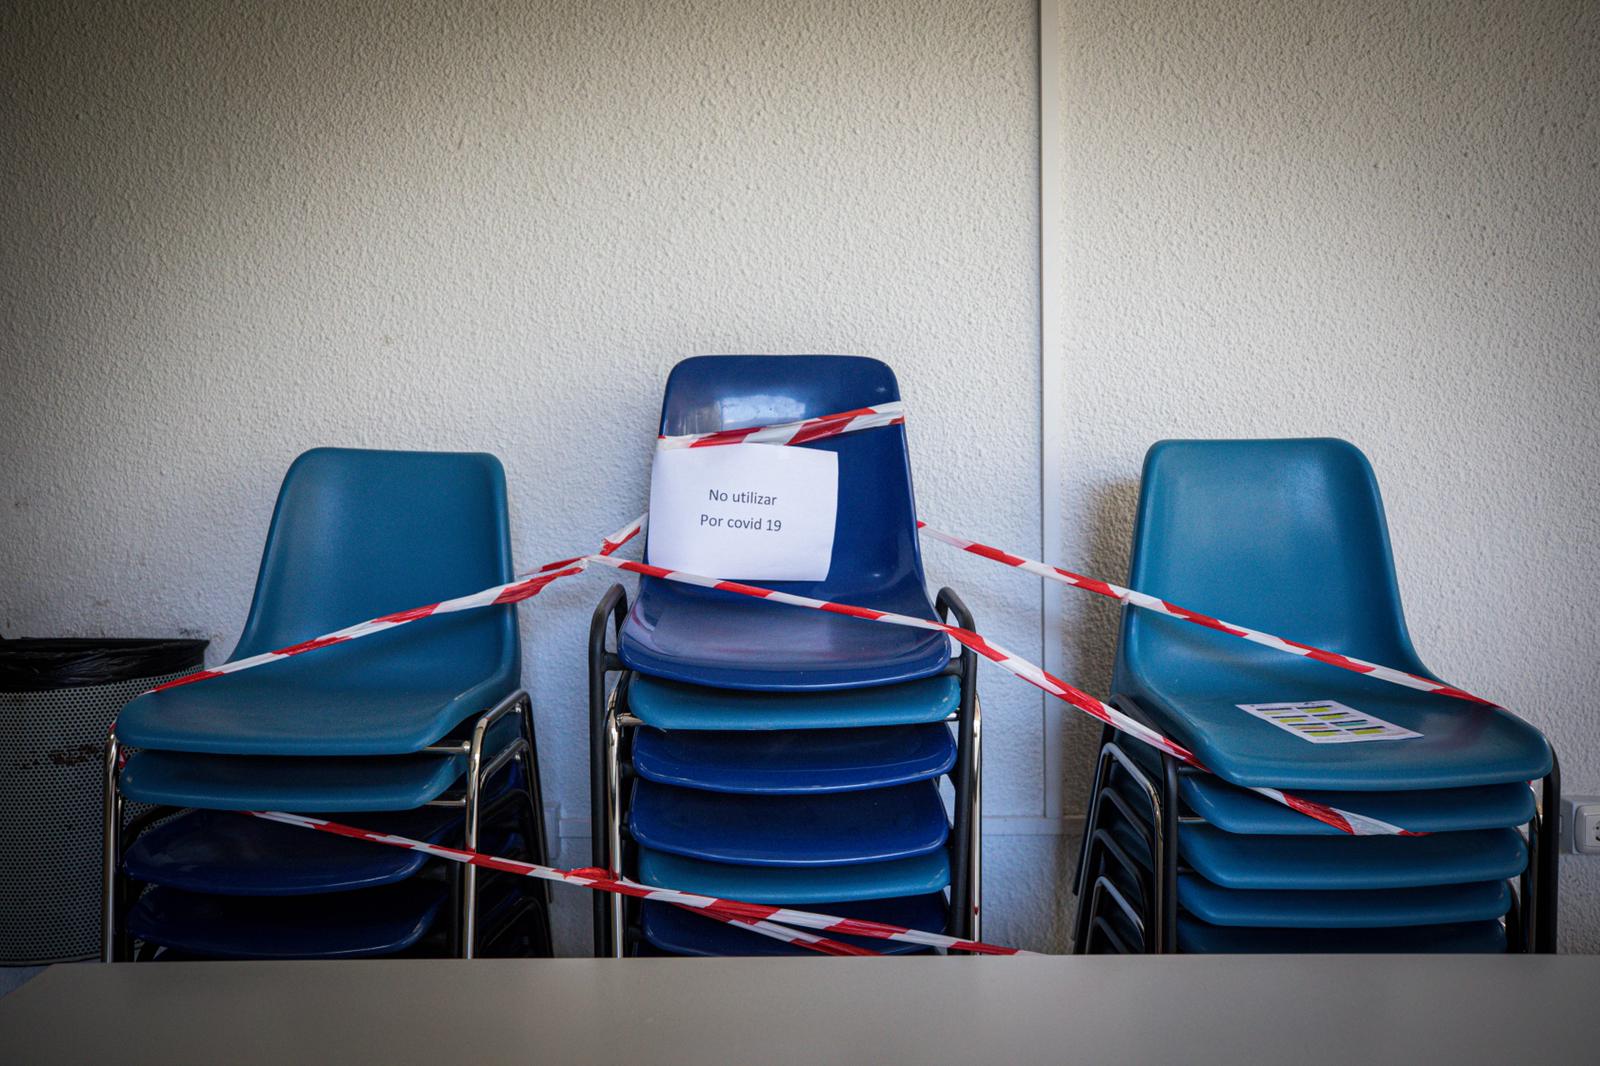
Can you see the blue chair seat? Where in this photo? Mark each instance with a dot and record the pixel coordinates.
(705, 637)
(725, 640)
(359, 534)
(802, 886)
(1463, 745)
(374, 921)
(814, 829)
(1342, 863)
(1195, 937)
(794, 761)
(1357, 909)
(1289, 537)
(1235, 810)
(1310, 908)
(1245, 862)
(253, 782)
(677, 931)
(220, 853)
(340, 700)
(671, 706)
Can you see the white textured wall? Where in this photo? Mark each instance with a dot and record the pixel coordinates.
(1370, 219)
(234, 232)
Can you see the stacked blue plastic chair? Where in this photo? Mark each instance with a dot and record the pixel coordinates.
(1288, 537)
(777, 755)
(421, 730)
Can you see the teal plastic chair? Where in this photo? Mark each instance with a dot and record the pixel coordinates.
(424, 713)
(356, 535)
(1288, 537)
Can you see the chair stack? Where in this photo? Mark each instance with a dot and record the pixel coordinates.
(1288, 537)
(775, 755)
(420, 731)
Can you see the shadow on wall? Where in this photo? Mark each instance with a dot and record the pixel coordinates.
(1092, 623)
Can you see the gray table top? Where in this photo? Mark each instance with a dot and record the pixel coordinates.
(1192, 1009)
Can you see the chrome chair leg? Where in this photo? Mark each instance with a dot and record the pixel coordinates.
(111, 857)
(469, 873)
(476, 771)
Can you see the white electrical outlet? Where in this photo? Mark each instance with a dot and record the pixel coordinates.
(1580, 824)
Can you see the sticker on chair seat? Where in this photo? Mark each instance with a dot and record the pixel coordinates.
(1327, 722)
(744, 512)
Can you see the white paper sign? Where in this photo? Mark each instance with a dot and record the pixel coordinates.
(1327, 722)
(747, 512)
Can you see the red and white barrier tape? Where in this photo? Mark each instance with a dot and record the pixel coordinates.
(803, 432)
(800, 937)
(1345, 821)
(524, 587)
(601, 881)
(1172, 610)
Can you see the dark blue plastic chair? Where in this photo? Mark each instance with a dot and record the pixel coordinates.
(795, 762)
(219, 853)
(1288, 536)
(797, 886)
(722, 640)
(789, 755)
(670, 705)
(1466, 938)
(298, 910)
(675, 931)
(355, 535)
(807, 830)
(223, 853)
(370, 922)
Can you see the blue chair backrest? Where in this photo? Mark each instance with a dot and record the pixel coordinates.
(1285, 536)
(357, 534)
(875, 541)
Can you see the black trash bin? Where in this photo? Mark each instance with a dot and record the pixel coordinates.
(58, 699)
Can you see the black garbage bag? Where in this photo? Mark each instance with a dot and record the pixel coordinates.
(30, 665)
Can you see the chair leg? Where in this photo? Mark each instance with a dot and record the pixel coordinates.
(1166, 872)
(609, 612)
(1081, 920)
(975, 870)
(535, 789)
(966, 837)
(452, 941)
(1546, 859)
(468, 917)
(111, 855)
(616, 905)
(1106, 733)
